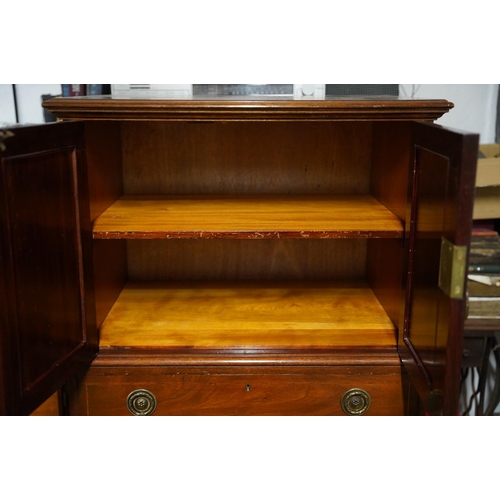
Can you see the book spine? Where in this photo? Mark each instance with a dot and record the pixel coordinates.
(94, 89)
(485, 269)
(73, 89)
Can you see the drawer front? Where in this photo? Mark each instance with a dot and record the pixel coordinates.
(256, 391)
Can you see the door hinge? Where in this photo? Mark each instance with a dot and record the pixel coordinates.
(452, 269)
(4, 134)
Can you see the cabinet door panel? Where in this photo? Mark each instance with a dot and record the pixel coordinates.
(441, 194)
(47, 323)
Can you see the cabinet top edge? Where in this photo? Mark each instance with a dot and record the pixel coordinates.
(112, 108)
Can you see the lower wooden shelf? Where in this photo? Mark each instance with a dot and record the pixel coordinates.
(247, 314)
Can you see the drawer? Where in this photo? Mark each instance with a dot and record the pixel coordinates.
(239, 391)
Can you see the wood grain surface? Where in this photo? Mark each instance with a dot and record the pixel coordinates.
(109, 108)
(246, 158)
(235, 259)
(249, 391)
(247, 217)
(254, 314)
(45, 266)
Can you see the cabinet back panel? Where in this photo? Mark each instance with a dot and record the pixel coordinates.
(246, 259)
(246, 158)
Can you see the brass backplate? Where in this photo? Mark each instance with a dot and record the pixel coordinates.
(355, 402)
(452, 269)
(141, 402)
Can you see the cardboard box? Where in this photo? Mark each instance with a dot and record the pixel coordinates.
(487, 203)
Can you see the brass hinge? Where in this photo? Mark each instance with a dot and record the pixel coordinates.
(4, 134)
(452, 269)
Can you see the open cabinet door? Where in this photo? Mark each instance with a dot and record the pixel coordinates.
(437, 239)
(47, 313)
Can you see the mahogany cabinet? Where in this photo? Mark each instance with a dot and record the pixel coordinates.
(235, 257)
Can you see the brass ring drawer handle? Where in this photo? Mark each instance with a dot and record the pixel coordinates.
(355, 402)
(141, 402)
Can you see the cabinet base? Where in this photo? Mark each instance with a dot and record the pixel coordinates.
(230, 390)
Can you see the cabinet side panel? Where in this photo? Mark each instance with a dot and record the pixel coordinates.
(246, 259)
(246, 158)
(103, 140)
(384, 271)
(390, 165)
(389, 184)
(104, 160)
(110, 274)
(49, 408)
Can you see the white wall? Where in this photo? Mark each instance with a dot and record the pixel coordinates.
(29, 100)
(475, 106)
(7, 110)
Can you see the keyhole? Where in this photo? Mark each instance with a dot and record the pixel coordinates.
(248, 387)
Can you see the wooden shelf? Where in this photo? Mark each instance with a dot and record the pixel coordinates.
(192, 314)
(251, 217)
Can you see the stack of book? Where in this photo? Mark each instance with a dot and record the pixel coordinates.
(79, 89)
(484, 276)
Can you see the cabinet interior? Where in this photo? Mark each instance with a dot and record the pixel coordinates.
(248, 234)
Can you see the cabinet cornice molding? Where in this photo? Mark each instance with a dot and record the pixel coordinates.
(109, 108)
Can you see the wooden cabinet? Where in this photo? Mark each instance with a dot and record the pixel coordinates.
(235, 257)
